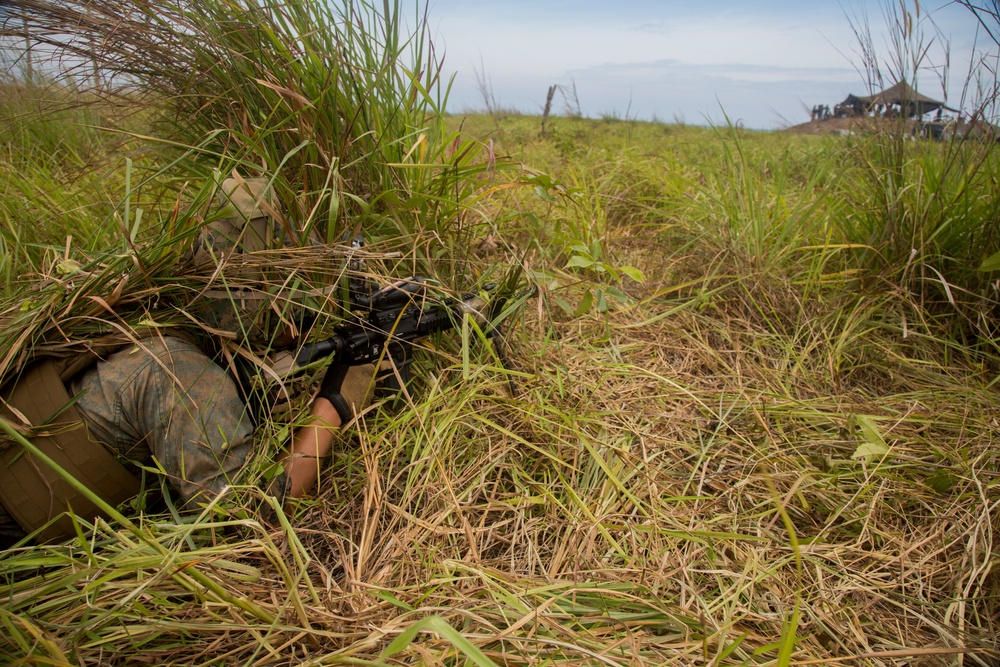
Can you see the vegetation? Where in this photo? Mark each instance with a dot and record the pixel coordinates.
(757, 407)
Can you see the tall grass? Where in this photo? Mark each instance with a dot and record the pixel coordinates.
(790, 364)
(646, 499)
(338, 104)
(921, 208)
(58, 175)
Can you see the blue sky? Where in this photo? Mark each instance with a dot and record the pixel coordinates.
(764, 63)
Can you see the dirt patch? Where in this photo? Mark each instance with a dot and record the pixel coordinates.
(830, 126)
(852, 125)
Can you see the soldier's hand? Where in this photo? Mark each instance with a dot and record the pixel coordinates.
(349, 389)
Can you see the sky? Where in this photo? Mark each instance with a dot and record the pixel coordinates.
(761, 63)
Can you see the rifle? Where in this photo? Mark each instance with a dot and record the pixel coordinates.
(390, 321)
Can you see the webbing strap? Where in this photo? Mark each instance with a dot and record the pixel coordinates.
(32, 492)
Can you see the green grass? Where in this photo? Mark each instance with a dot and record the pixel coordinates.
(752, 428)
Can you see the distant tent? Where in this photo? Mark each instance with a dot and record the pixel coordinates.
(910, 102)
(852, 106)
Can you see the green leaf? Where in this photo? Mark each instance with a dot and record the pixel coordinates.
(633, 273)
(541, 180)
(873, 445)
(730, 648)
(991, 264)
(602, 302)
(617, 294)
(579, 261)
(392, 599)
(941, 481)
(564, 305)
(66, 267)
(135, 227)
(438, 625)
(585, 304)
(543, 194)
(788, 638)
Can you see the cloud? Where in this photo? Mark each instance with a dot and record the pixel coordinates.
(656, 28)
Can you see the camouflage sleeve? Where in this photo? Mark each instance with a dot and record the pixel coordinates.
(163, 402)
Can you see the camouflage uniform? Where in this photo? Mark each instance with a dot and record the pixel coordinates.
(241, 296)
(166, 399)
(166, 405)
(163, 404)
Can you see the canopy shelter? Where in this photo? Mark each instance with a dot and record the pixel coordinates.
(910, 102)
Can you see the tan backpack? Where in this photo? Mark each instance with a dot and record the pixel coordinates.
(37, 404)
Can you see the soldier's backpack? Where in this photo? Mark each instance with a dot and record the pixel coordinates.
(37, 404)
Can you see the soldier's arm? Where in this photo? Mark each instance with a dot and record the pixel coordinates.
(344, 392)
(310, 445)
